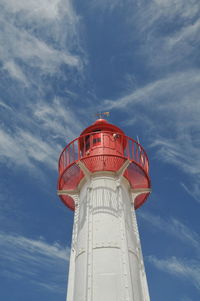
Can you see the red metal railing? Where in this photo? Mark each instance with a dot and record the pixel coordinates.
(103, 151)
(79, 149)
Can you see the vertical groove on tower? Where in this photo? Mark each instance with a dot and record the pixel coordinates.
(125, 261)
(89, 246)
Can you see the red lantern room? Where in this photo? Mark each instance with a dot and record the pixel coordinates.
(103, 147)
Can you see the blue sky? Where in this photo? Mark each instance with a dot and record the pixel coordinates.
(61, 62)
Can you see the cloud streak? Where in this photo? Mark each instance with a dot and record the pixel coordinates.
(36, 261)
(175, 84)
(24, 149)
(166, 42)
(23, 143)
(40, 44)
(173, 227)
(184, 269)
(38, 35)
(193, 191)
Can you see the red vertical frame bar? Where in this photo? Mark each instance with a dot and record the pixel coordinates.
(67, 156)
(84, 146)
(73, 150)
(136, 155)
(127, 143)
(133, 150)
(78, 146)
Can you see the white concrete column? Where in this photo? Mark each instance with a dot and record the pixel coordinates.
(106, 261)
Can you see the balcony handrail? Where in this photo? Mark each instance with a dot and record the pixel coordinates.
(135, 153)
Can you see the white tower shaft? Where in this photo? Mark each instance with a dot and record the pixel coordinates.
(106, 261)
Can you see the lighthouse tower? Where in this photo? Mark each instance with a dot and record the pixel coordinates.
(103, 177)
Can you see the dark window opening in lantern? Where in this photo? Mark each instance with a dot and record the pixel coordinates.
(96, 140)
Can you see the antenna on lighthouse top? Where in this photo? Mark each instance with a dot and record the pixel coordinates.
(100, 115)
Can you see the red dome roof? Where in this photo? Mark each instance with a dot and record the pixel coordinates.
(102, 125)
(101, 120)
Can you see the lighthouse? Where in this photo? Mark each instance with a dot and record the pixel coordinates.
(104, 178)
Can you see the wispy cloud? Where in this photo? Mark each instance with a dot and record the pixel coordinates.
(169, 30)
(40, 44)
(23, 143)
(5, 106)
(159, 92)
(39, 35)
(34, 260)
(184, 269)
(57, 118)
(187, 33)
(176, 152)
(173, 227)
(32, 51)
(157, 9)
(15, 71)
(37, 9)
(24, 149)
(194, 190)
(186, 299)
(150, 17)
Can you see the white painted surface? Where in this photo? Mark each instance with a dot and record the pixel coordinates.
(106, 261)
